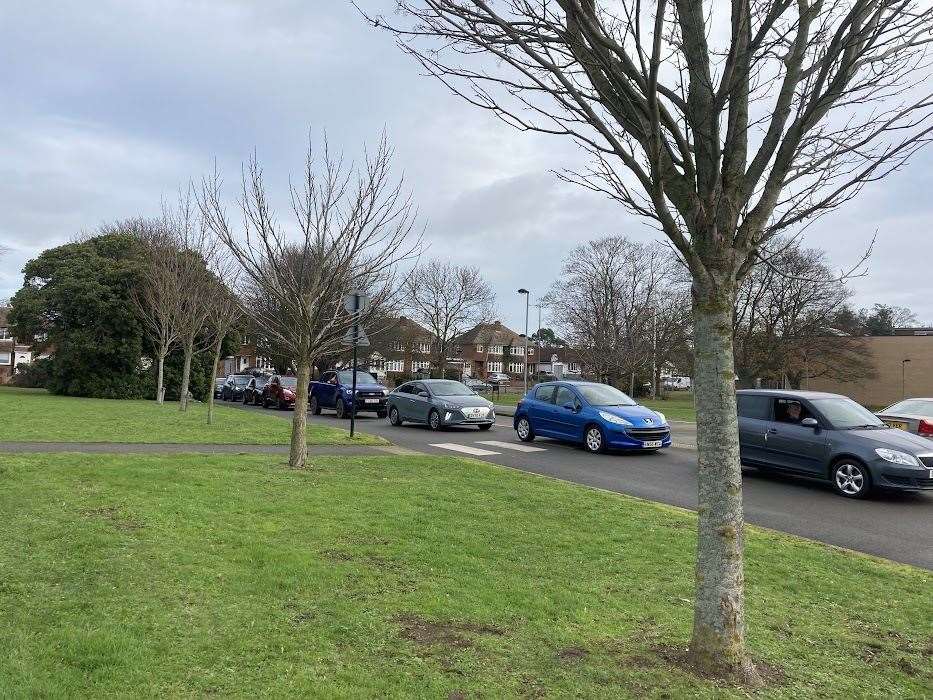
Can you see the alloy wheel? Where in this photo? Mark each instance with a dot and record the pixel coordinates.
(523, 429)
(434, 420)
(594, 439)
(394, 417)
(850, 479)
(341, 409)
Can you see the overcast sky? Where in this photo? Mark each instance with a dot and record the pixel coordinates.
(108, 107)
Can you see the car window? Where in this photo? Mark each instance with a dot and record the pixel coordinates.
(450, 388)
(546, 393)
(920, 407)
(346, 377)
(603, 395)
(790, 411)
(845, 413)
(418, 388)
(328, 378)
(290, 382)
(565, 396)
(751, 406)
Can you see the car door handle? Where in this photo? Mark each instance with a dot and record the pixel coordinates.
(772, 431)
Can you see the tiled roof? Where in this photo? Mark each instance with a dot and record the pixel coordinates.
(489, 334)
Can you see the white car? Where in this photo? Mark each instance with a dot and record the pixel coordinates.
(498, 378)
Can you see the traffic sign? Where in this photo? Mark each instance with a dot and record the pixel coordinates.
(356, 336)
(355, 302)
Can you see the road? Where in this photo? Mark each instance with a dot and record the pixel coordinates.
(897, 526)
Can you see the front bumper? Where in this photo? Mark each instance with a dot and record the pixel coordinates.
(362, 405)
(620, 437)
(456, 417)
(892, 476)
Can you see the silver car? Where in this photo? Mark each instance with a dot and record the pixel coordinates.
(913, 415)
(439, 403)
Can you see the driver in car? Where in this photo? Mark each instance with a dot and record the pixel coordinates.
(794, 412)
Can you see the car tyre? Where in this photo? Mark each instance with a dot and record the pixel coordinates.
(394, 417)
(594, 440)
(315, 406)
(341, 409)
(434, 420)
(524, 430)
(265, 402)
(245, 399)
(851, 478)
(485, 426)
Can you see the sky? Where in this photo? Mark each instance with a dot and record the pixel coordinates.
(110, 107)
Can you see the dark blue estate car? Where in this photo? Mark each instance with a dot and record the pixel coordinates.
(598, 416)
(830, 437)
(335, 390)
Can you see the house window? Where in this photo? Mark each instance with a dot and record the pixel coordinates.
(395, 346)
(394, 366)
(6, 358)
(458, 349)
(264, 363)
(415, 366)
(531, 351)
(5, 333)
(479, 348)
(376, 362)
(423, 348)
(574, 368)
(516, 367)
(493, 366)
(495, 349)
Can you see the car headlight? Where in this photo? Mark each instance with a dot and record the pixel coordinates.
(661, 416)
(897, 457)
(613, 418)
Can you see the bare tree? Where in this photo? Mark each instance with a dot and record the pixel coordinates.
(448, 300)
(353, 228)
(225, 313)
(784, 321)
(723, 127)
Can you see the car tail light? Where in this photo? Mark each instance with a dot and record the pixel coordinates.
(926, 428)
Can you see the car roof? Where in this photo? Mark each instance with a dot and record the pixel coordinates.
(789, 394)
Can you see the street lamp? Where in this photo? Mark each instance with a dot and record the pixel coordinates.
(904, 378)
(525, 358)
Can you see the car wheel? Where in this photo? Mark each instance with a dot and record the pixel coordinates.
(315, 406)
(394, 417)
(485, 426)
(524, 430)
(594, 440)
(851, 478)
(265, 402)
(245, 399)
(341, 409)
(434, 420)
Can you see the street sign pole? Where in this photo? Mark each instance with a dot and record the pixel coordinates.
(355, 303)
(353, 397)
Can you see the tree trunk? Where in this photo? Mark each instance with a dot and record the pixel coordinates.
(298, 455)
(210, 388)
(160, 379)
(718, 642)
(186, 376)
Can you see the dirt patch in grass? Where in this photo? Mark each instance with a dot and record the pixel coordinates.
(444, 634)
(572, 654)
(678, 657)
(113, 515)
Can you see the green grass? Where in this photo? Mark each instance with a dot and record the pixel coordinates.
(406, 577)
(37, 416)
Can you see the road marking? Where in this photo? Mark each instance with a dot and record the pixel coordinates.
(511, 446)
(465, 449)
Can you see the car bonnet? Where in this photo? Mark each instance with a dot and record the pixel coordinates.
(894, 439)
(470, 400)
(638, 416)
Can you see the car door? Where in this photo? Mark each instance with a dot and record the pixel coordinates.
(327, 390)
(420, 406)
(541, 409)
(793, 446)
(227, 393)
(401, 399)
(754, 423)
(273, 391)
(567, 422)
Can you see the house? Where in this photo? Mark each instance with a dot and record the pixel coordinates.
(493, 347)
(400, 348)
(12, 354)
(560, 361)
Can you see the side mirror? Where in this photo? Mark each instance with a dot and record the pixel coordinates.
(570, 407)
(810, 423)
(424, 394)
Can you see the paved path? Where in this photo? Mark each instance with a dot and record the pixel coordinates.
(183, 448)
(897, 526)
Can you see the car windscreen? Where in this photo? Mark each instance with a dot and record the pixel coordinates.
(289, 382)
(845, 413)
(604, 395)
(914, 407)
(262, 381)
(449, 388)
(241, 380)
(346, 377)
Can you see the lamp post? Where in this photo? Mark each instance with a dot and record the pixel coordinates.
(525, 358)
(904, 378)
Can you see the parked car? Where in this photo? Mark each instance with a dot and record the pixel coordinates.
(335, 391)
(832, 438)
(498, 379)
(477, 385)
(234, 386)
(912, 415)
(439, 403)
(598, 416)
(253, 391)
(219, 386)
(280, 391)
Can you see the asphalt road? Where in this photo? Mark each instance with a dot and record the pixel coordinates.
(894, 525)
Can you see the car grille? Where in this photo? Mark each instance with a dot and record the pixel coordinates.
(648, 433)
(910, 481)
(927, 461)
(370, 394)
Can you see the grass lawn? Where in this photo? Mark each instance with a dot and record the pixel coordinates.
(406, 577)
(42, 417)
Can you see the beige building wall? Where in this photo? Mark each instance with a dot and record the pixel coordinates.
(887, 354)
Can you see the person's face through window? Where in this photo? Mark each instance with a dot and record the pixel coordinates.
(793, 412)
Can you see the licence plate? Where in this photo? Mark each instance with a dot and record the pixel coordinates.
(371, 400)
(652, 443)
(900, 425)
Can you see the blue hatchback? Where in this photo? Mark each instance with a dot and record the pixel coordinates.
(598, 416)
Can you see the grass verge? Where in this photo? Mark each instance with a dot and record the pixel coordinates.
(406, 577)
(43, 417)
